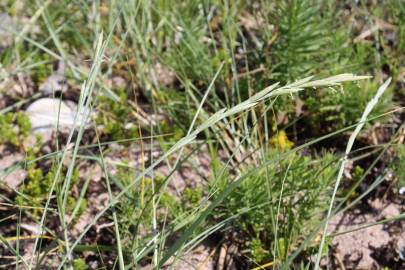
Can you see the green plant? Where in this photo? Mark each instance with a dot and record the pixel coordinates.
(192, 196)
(14, 128)
(172, 102)
(310, 38)
(116, 117)
(259, 254)
(343, 108)
(136, 210)
(35, 188)
(80, 264)
(398, 166)
(8, 134)
(301, 39)
(279, 206)
(43, 69)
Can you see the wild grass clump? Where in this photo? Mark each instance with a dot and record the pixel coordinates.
(250, 86)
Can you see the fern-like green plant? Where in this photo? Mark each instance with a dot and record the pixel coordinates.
(301, 39)
(276, 208)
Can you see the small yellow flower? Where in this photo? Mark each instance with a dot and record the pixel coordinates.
(281, 141)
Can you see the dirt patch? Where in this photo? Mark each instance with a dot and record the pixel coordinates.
(12, 178)
(371, 247)
(203, 257)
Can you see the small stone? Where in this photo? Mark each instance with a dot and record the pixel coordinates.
(164, 75)
(32, 228)
(118, 82)
(13, 178)
(46, 114)
(55, 82)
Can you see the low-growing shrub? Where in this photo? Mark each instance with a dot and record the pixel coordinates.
(277, 207)
(14, 128)
(34, 190)
(115, 117)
